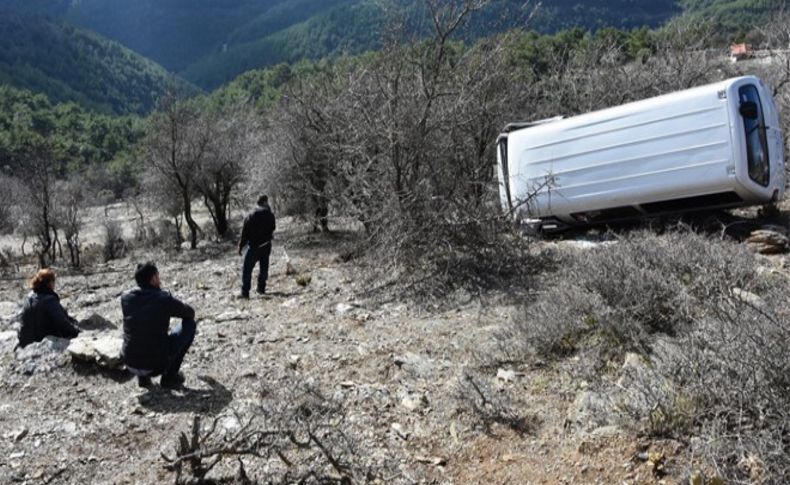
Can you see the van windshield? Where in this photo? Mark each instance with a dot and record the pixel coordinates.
(756, 138)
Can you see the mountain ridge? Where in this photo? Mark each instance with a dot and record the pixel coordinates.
(67, 63)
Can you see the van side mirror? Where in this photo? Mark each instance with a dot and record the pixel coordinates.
(749, 110)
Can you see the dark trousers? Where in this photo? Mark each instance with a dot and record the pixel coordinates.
(178, 343)
(253, 256)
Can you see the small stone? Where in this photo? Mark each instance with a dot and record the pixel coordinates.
(231, 316)
(506, 375)
(413, 403)
(432, 460)
(398, 429)
(20, 435)
(17, 455)
(343, 308)
(748, 298)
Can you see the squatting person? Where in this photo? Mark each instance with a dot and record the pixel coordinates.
(148, 349)
(256, 244)
(43, 314)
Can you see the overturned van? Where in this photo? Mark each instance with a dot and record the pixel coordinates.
(715, 146)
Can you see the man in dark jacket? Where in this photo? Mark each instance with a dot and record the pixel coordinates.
(43, 314)
(256, 243)
(148, 349)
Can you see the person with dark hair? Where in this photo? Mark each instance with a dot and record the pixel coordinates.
(148, 349)
(256, 244)
(43, 314)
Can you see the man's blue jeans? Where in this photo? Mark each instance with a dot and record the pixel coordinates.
(253, 256)
(178, 343)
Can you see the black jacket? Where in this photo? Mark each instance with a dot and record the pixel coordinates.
(146, 322)
(43, 315)
(258, 227)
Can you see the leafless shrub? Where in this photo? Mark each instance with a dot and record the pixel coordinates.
(36, 179)
(710, 326)
(114, 244)
(727, 381)
(7, 190)
(488, 406)
(236, 141)
(175, 147)
(615, 298)
(69, 204)
(403, 142)
(299, 438)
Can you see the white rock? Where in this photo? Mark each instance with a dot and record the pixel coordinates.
(9, 310)
(415, 364)
(413, 403)
(506, 375)
(100, 348)
(231, 316)
(398, 429)
(748, 298)
(343, 308)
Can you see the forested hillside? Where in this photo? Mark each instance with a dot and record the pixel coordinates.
(733, 15)
(96, 145)
(212, 41)
(70, 64)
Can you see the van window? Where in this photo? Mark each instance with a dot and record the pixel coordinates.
(505, 170)
(756, 138)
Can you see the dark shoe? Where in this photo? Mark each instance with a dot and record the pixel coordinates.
(243, 296)
(261, 291)
(145, 382)
(174, 382)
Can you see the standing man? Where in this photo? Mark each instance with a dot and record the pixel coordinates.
(148, 349)
(256, 237)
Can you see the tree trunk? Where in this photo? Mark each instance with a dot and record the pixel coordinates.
(193, 226)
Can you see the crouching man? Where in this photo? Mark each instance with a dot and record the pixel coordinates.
(149, 349)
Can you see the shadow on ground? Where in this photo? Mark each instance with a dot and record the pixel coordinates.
(86, 369)
(202, 401)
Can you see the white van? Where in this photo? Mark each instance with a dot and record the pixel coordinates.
(715, 146)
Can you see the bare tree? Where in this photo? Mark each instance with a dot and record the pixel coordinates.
(175, 147)
(70, 200)
(7, 203)
(236, 144)
(37, 177)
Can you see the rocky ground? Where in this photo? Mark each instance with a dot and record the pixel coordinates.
(395, 368)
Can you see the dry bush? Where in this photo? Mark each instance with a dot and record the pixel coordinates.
(7, 190)
(114, 244)
(295, 436)
(402, 141)
(710, 325)
(488, 406)
(615, 298)
(69, 203)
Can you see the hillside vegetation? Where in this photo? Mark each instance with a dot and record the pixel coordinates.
(212, 42)
(70, 64)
